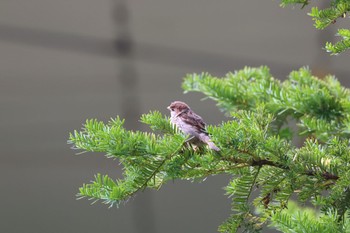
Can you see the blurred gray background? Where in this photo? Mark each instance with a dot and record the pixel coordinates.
(62, 62)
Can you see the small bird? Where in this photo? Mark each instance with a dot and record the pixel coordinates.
(191, 124)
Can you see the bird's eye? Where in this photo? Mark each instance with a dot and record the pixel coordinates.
(172, 109)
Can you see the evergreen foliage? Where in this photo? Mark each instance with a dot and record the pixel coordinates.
(257, 150)
(324, 17)
(297, 219)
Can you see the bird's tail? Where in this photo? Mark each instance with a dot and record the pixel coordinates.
(206, 139)
(213, 146)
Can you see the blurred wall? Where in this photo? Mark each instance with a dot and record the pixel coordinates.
(62, 62)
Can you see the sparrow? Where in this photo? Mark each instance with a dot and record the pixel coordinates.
(190, 124)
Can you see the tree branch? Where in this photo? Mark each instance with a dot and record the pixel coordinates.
(262, 162)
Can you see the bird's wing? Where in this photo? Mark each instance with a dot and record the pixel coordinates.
(195, 120)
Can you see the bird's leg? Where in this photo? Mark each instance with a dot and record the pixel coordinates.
(188, 143)
(189, 139)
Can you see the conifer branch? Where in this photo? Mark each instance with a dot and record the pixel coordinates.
(324, 17)
(263, 162)
(157, 170)
(256, 145)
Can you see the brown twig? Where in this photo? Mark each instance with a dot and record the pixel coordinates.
(262, 162)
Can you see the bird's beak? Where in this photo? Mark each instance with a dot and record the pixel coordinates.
(168, 107)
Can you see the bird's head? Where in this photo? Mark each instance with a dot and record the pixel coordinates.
(178, 107)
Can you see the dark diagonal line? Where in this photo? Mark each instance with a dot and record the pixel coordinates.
(194, 59)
